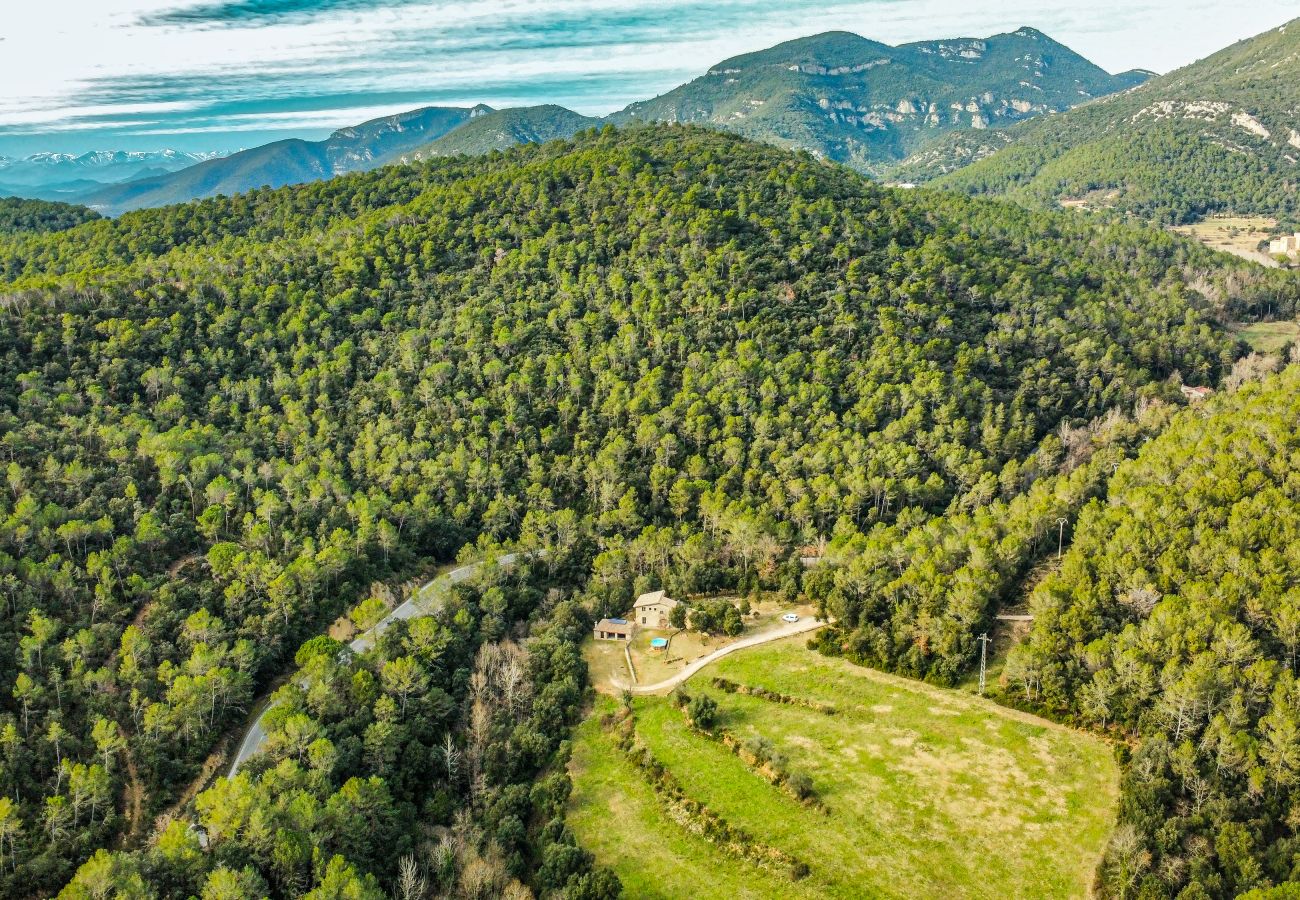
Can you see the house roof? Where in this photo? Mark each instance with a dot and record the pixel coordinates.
(613, 625)
(655, 598)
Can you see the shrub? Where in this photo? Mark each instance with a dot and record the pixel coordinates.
(703, 712)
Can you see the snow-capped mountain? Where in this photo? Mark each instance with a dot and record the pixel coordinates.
(59, 172)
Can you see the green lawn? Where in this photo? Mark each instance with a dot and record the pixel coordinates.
(1268, 337)
(932, 793)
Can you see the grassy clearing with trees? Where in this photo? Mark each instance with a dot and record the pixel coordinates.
(930, 792)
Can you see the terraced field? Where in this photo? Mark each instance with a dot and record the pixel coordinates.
(930, 792)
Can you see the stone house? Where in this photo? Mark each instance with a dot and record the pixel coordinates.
(652, 609)
(613, 630)
(1287, 245)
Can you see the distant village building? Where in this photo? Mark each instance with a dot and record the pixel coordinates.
(652, 609)
(1288, 245)
(1196, 394)
(613, 630)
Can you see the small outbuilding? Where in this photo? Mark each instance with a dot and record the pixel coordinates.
(1197, 394)
(613, 630)
(652, 609)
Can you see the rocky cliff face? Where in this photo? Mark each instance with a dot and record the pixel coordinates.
(871, 105)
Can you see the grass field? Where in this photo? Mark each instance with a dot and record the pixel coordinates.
(932, 793)
(1268, 337)
(1238, 235)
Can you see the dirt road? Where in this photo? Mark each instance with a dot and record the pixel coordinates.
(785, 630)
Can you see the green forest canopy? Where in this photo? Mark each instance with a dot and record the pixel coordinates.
(1176, 617)
(661, 353)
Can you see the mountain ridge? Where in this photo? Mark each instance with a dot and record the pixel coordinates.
(501, 129)
(838, 95)
(1216, 136)
(869, 105)
(291, 161)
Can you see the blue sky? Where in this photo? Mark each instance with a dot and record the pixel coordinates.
(77, 75)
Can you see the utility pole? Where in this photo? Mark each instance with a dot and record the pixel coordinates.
(1060, 536)
(984, 658)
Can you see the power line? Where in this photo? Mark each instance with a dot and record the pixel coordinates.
(984, 659)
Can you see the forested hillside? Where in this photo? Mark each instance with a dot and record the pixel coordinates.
(39, 215)
(661, 354)
(501, 130)
(1175, 618)
(1216, 136)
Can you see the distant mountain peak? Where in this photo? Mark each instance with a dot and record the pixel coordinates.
(868, 104)
(1230, 117)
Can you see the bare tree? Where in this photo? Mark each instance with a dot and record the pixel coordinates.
(451, 756)
(1125, 861)
(1142, 600)
(411, 884)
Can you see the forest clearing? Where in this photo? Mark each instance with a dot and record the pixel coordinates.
(919, 791)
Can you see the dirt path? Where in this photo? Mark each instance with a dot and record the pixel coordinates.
(785, 630)
(210, 767)
(132, 800)
(133, 790)
(175, 568)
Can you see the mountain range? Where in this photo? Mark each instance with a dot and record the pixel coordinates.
(1015, 114)
(870, 105)
(291, 161)
(53, 176)
(837, 95)
(1220, 135)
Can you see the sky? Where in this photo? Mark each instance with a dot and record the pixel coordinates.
(204, 75)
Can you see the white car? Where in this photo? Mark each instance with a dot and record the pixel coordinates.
(790, 617)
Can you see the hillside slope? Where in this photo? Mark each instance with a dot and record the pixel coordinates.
(19, 215)
(501, 130)
(870, 105)
(1220, 135)
(1175, 619)
(352, 149)
(660, 347)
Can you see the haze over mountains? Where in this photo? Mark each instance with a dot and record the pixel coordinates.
(837, 95)
(351, 149)
(54, 176)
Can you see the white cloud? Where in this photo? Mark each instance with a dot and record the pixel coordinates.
(68, 59)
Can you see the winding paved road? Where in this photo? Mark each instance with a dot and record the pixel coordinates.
(426, 601)
(784, 631)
